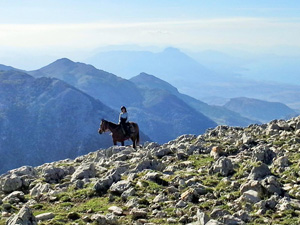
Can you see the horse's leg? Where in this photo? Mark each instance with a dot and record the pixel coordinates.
(122, 143)
(133, 143)
(115, 142)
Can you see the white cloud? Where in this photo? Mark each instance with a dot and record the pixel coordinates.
(227, 31)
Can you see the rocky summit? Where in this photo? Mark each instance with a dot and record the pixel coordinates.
(228, 175)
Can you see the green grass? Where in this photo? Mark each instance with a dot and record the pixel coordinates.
(200, 161)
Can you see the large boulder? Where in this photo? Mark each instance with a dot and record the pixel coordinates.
(272, 185)
(84, 171)
(223, 166)
(24, 217)
(120, 186)
(39, 189)
(11, 183)
(252, 185)
(53, 174)
(263, 154)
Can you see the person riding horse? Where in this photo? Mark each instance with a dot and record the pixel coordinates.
(123, 120)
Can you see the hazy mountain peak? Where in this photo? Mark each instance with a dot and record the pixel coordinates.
(147, 76)
(66, 64)
(63, 61)
(144, 80)
(172, 50)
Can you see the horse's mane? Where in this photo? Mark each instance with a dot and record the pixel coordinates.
(113, 125)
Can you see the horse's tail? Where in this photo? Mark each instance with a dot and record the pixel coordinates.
(137, 135)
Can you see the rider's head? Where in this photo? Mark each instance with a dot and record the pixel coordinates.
(123, 108)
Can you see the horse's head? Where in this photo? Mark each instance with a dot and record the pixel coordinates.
(103, 126)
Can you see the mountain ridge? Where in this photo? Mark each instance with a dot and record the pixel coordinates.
(197, 79)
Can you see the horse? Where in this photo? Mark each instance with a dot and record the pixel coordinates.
(118, 134)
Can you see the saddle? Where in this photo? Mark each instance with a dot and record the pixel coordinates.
(127, 129)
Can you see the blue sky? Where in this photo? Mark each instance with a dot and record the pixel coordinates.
(57, 26)
(69, 11)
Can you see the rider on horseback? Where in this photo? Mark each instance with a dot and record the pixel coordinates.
(123, 120)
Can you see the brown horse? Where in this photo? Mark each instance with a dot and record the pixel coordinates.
(117, 132)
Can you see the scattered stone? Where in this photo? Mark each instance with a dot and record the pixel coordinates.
(155, 177)
(163, 152)
(160, 198)
(181, 204)
(39, 189)
(259, 172)
(282, 161)
(214, 222)
(45, 216)
(99, 219)
(112, 176)
(15, 197)
(116, 210)
(218, 212)
(128, 193)
(251, 196)
(138, 213)
(171, 220)
(202, 218)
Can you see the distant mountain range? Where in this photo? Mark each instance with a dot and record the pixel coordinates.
(260, 110)
(217, 75)
(160, 114)
(170, 65)
(54, 112)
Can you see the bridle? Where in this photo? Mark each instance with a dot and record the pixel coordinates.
(103, 127)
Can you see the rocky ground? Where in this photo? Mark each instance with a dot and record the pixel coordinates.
(229, 175)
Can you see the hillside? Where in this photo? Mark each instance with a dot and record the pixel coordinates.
(5, 68)
(228, 175)
(164, 116)
(220, 115)
(262, 111)
(45, 119)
